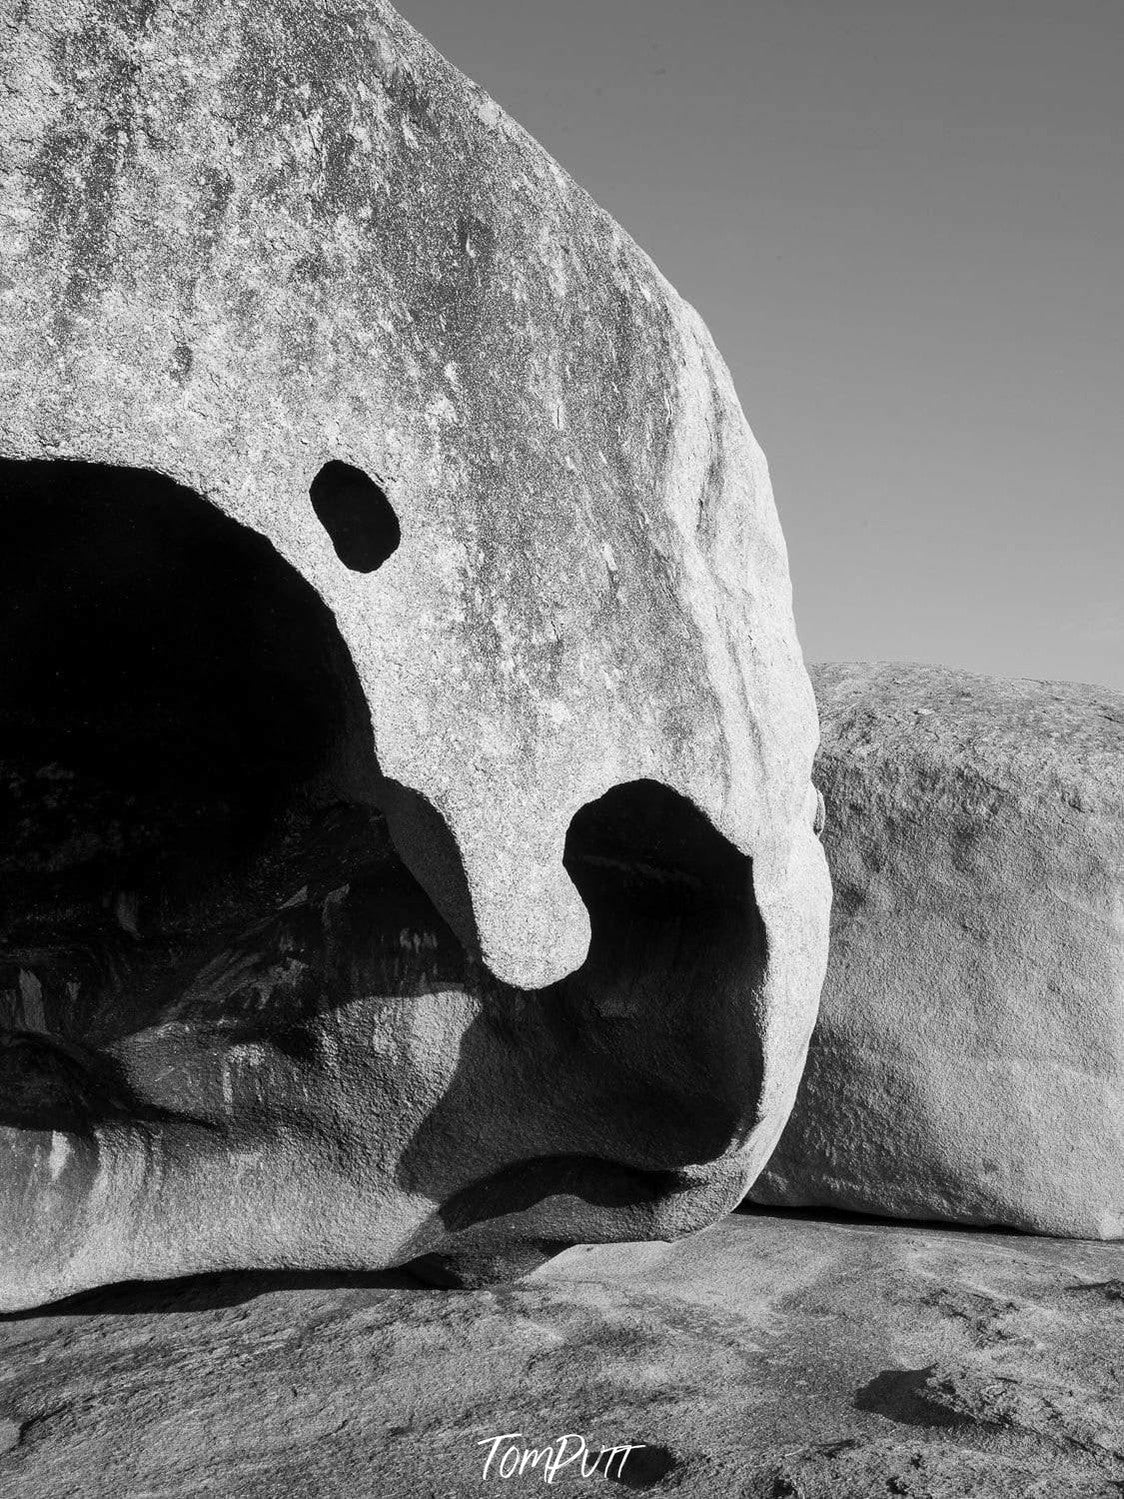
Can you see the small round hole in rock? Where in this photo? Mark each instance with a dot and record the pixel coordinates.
(357, 515)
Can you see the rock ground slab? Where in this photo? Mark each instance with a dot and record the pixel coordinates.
(771, 1355)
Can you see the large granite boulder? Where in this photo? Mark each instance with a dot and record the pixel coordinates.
(969, 1059)
(407, 826)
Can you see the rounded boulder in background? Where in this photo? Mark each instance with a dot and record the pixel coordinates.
(968, 1063)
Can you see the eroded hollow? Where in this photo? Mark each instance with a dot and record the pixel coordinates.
(357, 514)
(184, 749)
(678, 954)
(181, 734)
(646, 1061)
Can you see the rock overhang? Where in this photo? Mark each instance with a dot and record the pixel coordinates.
(245, 242)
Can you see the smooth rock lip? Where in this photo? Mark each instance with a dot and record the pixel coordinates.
(968, 1063)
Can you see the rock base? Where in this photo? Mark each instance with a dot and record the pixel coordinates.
(769, 1356)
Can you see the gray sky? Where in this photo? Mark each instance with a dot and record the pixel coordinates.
(903, 221)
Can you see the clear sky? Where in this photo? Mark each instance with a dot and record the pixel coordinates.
(903, 221)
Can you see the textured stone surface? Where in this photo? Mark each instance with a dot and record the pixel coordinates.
(969, 1059)
(337, 423)
(766, 1357)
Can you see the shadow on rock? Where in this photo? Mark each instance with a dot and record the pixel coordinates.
(646, 1468)
(209, 1293)
(905, 1395)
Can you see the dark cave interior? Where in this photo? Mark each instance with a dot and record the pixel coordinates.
(176, 704)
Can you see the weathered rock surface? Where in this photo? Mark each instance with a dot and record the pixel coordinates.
(769, 1356)
(969, 1058)
(405, 746)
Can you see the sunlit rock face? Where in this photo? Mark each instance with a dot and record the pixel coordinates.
(407, 830)
(968, 1063)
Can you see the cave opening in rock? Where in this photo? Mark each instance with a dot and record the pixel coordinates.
(677, 961)
(646, 1061)
(178, 716)
(644, 847)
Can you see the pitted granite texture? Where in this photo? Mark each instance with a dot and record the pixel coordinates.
(431, 802)
(968, 1064)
